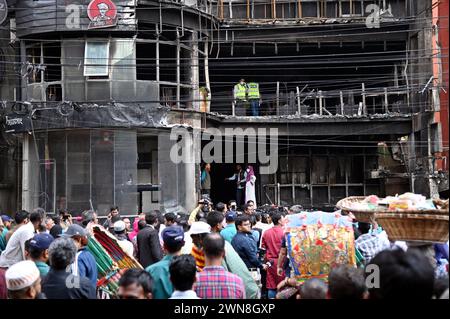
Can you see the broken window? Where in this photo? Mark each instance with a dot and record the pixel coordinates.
(146, 61)
(33, 60)
(52, 61)
(96, 58)
(168, 63)
(54, 92)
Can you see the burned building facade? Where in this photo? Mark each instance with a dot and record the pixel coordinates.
(348, 85)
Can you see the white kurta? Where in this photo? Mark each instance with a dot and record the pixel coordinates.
(250, 190)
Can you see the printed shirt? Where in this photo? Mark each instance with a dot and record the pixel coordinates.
(214, 282)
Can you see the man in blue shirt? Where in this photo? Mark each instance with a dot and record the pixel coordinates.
(245, 245)
(173, 238)
(230, 230)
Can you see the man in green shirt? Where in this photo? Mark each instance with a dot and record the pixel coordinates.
(39, 251)
(173, 238)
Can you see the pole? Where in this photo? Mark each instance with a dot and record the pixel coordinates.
(207, 83)
(278, 98)
(341, 95)
(364, 98)
(386, 103)
(320, 102)
(298, 101)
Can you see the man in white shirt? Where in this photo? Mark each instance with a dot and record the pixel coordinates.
(182, 271)
(124, 243)
(15, 249)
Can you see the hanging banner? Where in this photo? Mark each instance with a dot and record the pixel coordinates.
(102, 13)
(17, 123)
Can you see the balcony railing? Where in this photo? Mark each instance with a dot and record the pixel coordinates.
(285, 10)
(316, 103)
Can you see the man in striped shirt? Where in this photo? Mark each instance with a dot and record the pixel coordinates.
(214, 282)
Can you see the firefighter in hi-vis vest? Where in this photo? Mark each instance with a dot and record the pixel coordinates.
(240, 98)
(254, 97)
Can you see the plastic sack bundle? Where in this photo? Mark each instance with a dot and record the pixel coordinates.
(318, 242)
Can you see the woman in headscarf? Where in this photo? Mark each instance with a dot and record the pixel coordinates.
(250, 185)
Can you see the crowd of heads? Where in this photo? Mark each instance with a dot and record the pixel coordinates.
(408, 274)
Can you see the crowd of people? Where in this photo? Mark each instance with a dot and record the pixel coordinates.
(220, 251)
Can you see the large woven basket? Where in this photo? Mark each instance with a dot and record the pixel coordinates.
(361, 215)
(417, 226)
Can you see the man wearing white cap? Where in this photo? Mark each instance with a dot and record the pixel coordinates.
(122, 240)
(23, 280)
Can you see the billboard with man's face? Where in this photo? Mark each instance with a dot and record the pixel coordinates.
(102, 13)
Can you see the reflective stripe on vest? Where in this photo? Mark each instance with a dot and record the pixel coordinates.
(253, 90)
(240, 91)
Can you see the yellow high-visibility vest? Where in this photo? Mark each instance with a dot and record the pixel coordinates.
(253, 90)
(240, 91)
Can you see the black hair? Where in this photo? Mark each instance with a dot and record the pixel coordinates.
(246, 206)
(160, 218)
(213, 245)
(40, 211)
(182, 271)
(241, 219)
(406, 274)
(56, 219)
(214, 218)
(26, 245)
(170, 217)
(258, 216)
(232, 201)
(346, 282)
(62, 253)
(276, 217)
(248, 202)
(20, 216)
(183, 222)
(35, 253)
(139, 277)
(114, 208)
(265, 218)
(36, 217)
(363, 227)
(252, 220)
(141, 224)
(151, 218)
(220, 207)
(313, 289)
(115, 218)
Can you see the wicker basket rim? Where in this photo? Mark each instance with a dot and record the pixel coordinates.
(411, 216)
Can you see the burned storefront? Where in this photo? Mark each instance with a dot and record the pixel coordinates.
(100, 91)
